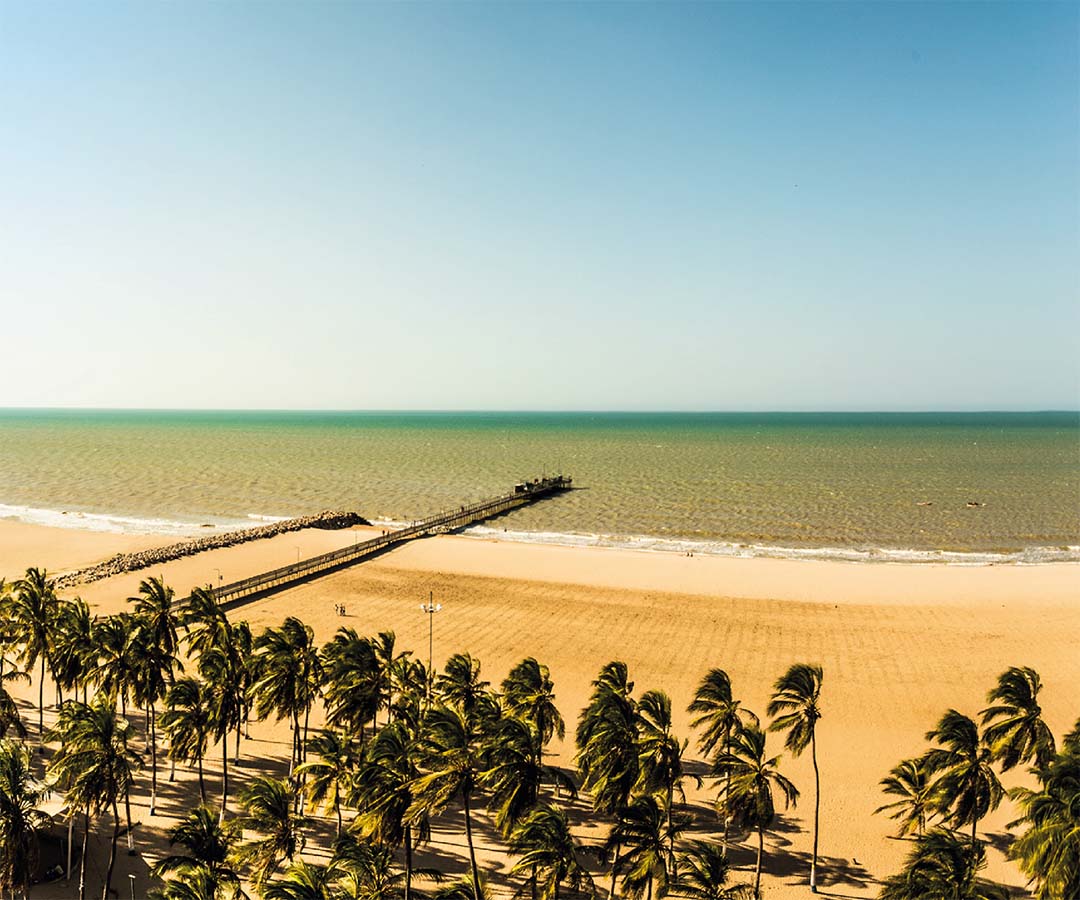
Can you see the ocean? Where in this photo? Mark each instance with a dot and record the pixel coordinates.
(855, 486)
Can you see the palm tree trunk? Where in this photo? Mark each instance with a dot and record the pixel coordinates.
(107, 886)
(974, 839)
(337, 809)
(472, 852)
(303, 745)
(202, 784)
(614, 871)
(224, 775)
(671, 835)
(727, 791)
(817, 809)
(153, 760)
(239, 730)
(41, 704)
(757, 868)
(127, 811)
(82, 857)
(408, 861)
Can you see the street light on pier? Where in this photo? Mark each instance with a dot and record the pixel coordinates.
(430, 608)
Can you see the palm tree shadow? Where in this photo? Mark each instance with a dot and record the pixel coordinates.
(1000, 841)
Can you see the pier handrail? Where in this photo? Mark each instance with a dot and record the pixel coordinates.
(523, 494)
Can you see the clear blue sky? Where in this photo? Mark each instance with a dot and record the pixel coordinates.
(563, 206)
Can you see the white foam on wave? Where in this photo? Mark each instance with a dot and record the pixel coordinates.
(1027, 556)
(111, 523)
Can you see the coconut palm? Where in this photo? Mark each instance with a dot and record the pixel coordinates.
(327, 778)
(703, 875)
(350, 681)
(910, 781)
(643, 833)
(210, 845)
(289, 677)
(660, 759)
(192, 884)
(529, 694)
(606, 738)
(387, 663)
(250, 670)
(10, 720)
(220, 668)
(1013, 726)
(75, 652)
(795, 704)
(268, 803)
(30, 610)
(96, 766)
(454, 753)
(1048, 851)
(720, 716)
(966, 786)
(461, 687)
(516, 772)
(754, 780)
(383, 792)
(942, 867)
(20, 818)
(152, 668)
(305, 881)
(188, 720)
(548, 853)
(369, 871)
(161, 615)
(114, 673)
(204, 622)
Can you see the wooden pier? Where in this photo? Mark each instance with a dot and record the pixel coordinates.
(523, 494)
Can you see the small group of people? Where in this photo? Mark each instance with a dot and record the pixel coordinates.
(339, 608)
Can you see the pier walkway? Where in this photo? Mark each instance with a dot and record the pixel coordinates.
(523, 494)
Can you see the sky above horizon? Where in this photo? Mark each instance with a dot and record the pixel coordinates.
(558, 206)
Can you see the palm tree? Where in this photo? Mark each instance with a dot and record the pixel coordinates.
(453, 749)
(942, 867)
(220, 667)
(703, 875)
(20, 818)
(338, 759)
(152, 669)
(1013, 724)
(795, 706)
(529, 694)
(158, 612)
(188, 721)
(304, 881)
(193, 884)
(97, 766)
(1049, 849)
(643, 831)
(386, 664)
(967, 788)
(516, 772)
(269, 806)
(383, 792)
(114, 673)
(461, 686)
(721, 716)
(910, 781)
(606, 738)
(350, 681)
(10, 720)
(753, 780)
(660, 756)
(210, 845)
(31, 610)
(368, 871)
(290, 675)
(204, 621)
(547, 851)
(75, 652)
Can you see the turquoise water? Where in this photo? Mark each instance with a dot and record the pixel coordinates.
(847, 485)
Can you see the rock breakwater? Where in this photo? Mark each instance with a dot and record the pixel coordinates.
(132, 562)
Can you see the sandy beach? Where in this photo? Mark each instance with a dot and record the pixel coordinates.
(899, 645)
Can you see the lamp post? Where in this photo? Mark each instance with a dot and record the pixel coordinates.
(131, 880)
(430, 608)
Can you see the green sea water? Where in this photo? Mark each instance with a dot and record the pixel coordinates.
(854, 486)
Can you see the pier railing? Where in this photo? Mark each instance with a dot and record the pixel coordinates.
(523, 494)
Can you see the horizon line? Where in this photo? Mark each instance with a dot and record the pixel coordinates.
(546, 410)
